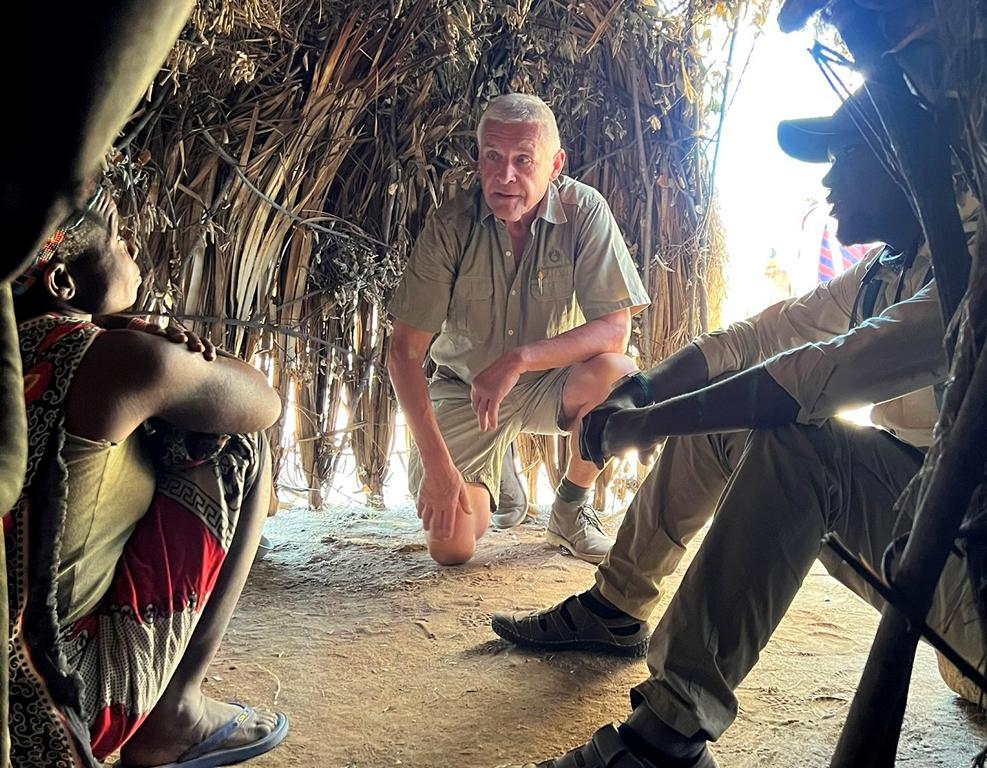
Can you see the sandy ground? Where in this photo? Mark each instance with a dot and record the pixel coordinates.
(381, 658)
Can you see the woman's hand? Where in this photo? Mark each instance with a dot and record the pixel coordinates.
(173, 333)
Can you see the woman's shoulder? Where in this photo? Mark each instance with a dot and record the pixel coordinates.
(55, 343)
(54, 335)
(118, 368)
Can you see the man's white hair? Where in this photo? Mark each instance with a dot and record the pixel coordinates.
(521, 108)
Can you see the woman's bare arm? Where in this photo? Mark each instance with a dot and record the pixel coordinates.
(127, 377)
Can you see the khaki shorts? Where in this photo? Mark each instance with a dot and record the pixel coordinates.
(533, 407)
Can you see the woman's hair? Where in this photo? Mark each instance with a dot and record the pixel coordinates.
(83, 237)
(521, 108)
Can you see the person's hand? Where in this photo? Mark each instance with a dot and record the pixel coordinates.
(441, 498)
(630, 393)
(635, 429)
(618, 432)
(176, 335)
(490, 388)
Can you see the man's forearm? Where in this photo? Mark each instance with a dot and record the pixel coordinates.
(411, 388)
(582, 343)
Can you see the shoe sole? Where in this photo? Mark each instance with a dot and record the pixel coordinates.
(555, 540)
(502, 526)
(505, 631)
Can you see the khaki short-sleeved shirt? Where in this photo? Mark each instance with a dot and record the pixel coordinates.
(891, 360)
(461, 281)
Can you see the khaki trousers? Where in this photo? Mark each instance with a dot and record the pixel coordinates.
(773, 495)
(533, 406)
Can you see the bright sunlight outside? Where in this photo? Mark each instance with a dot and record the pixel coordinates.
(773, 207)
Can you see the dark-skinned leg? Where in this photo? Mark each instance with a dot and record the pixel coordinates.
(183, 716)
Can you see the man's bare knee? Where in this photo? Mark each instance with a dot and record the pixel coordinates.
(590, 382)
(451, 552)
(612, 363)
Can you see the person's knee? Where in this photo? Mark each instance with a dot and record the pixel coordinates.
(591, 381)
(609, 366)
(792, 441)
(451, 552)
(802, 459)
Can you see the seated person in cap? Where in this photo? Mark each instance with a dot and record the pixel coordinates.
(761, 453)
(530, 288)
(131, 541)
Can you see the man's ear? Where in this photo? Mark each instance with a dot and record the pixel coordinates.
(558, 163)
(59, 282)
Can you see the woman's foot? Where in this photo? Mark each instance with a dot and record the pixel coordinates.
(170, 732)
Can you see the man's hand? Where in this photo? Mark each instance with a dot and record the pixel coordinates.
(491, 386)
(441, 498)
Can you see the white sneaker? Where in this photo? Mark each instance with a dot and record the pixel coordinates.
(577, 528)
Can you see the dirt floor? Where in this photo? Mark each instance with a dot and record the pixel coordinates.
(381, 658)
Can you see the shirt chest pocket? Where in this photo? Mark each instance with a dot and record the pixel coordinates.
(472, 305)
(552, 283)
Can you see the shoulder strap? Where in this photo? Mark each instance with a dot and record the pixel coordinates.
(867, 293)
(51, 349)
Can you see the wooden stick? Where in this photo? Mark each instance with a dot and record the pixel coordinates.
(870, 735)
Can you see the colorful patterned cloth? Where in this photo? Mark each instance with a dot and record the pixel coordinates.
(77, 693)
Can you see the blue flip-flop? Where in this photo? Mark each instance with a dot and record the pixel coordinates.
(205, 755)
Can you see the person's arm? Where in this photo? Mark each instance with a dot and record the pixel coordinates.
(749, 400)
(816, 316)
(609, 333)
(127, 377)
(681, 372)
(819, 315)
(887, 356)
(405, 357)
(173, 332)
(443, 491)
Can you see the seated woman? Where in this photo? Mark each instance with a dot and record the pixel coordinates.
(147, 485)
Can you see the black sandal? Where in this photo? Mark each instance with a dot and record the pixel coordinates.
(607, 749)
(570, 626)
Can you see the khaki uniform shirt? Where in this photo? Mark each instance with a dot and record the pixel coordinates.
(461, 281)
(892, 360)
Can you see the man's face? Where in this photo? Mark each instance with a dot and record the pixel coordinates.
(867, 203)
(516, 166)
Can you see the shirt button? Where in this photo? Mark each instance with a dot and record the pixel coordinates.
(510, 331)
(514, 293)
(508, 253)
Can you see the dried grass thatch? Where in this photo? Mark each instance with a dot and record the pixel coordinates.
(285, 160)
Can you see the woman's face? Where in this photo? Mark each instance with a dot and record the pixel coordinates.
(108, 282)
